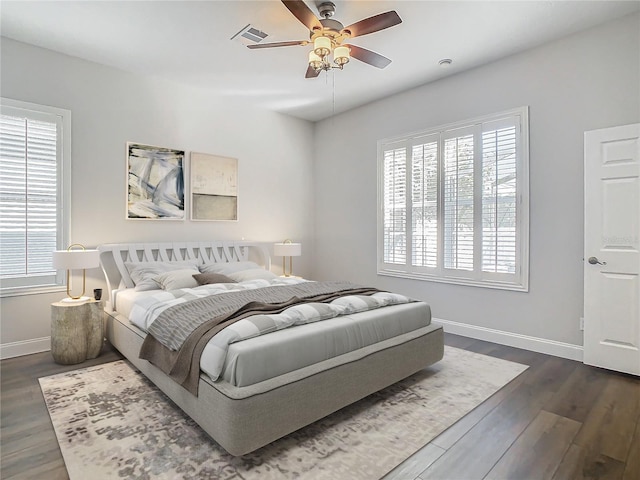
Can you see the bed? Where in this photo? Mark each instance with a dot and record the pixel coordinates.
(266, 386)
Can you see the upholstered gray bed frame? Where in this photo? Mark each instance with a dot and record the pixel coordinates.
(243, 419)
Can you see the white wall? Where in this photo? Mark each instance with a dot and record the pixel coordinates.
(110, 107)
(587, 81)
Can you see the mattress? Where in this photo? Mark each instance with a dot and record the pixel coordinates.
(261, 358)
(267, 356)
(124, 298)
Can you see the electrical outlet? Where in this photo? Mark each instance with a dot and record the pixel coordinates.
(582, 323)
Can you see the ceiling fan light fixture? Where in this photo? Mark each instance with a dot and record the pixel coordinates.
(322, 46)
(315, 61)
(327, 36)
(341, 55)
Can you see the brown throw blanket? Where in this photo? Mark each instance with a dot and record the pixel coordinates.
(183, 365)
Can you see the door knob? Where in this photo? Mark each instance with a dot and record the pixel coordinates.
(595, 261)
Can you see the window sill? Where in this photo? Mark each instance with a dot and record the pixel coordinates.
(456, 281)
(22, 291)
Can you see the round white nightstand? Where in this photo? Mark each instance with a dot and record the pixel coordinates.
(77, 331)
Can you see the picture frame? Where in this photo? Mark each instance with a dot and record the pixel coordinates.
(155, 182)
(214, 187)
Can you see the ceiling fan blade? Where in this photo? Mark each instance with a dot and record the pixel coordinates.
(373, 24)
(311, 72)
(367, 56)
(303, 13)
(278, 44)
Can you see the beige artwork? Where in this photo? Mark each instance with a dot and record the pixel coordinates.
(214, 187)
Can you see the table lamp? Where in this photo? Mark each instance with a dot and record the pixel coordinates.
(76, 257)
(287, 249)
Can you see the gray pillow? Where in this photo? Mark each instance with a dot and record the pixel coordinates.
(252, 274)
(226, 268)
(175, 279)
(210, 278)
(142, 273)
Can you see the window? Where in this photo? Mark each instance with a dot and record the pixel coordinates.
(453, 203)
(34, 190)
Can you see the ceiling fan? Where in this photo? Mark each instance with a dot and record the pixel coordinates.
(327, 36)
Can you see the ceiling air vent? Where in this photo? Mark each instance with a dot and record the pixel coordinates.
(249, 35)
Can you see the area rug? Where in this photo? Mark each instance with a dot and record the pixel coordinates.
(111, 422)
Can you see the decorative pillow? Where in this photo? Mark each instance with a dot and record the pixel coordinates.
(227, 268)
(210, 278)
(252, 274)
(175, 279)
(142, 273)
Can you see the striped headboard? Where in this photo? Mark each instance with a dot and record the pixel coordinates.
(113, 256)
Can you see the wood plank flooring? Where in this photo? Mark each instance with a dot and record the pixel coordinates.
(29, 449)
(558, 420)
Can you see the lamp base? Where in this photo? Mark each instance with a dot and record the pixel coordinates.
(75, 300)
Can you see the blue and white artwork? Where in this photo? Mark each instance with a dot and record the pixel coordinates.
(155, 187)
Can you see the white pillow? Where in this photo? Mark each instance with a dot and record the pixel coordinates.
(227, 267)
(176, 279)
(252, 274)
(142, 273)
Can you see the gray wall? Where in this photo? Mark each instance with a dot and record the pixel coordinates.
(110, 107)
(587, 81)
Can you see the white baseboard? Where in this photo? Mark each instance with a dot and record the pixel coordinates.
(535, 344)
(25, 347)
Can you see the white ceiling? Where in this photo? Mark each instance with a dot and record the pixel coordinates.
(189, 42)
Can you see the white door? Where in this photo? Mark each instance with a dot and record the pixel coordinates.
(612, 258)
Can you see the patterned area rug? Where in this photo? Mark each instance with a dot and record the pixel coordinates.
(111, 422)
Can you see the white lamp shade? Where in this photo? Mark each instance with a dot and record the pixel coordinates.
(341, 55)
(287, 249)
(76, 259)
(322, 46)
(314, 60)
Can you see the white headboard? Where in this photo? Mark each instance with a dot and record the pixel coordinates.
(113, 256)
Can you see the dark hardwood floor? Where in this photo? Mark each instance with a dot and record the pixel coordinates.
(28, 445)
(558, 420)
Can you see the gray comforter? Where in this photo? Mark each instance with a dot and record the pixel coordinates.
(178, 336)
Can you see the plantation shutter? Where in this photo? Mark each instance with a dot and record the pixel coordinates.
(454, 203)
(395, 205)
(424, 203)
(458, 200)
(499, 212)
(29, 172)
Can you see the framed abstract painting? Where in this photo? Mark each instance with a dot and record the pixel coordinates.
(214, 187)
(155, 182)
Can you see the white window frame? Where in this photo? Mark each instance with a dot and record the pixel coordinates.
(519, 281)
(54, 282)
